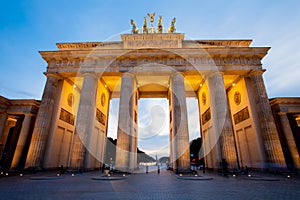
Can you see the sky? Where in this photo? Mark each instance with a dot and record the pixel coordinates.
(29, 26)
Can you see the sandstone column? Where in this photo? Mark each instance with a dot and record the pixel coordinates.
(3, 118)
(172, 150)
(85, 122)
(180, 123)
(271, 142)
(222, 124)
(125, 124)
(11, 143)
(290, 141)
(43, 122)
(21, 141)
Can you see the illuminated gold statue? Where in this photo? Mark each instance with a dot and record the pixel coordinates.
(145, 26)
(134, 30)
(159, 25)
(172, 28)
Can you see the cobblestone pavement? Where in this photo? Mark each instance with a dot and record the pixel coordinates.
(148, 186)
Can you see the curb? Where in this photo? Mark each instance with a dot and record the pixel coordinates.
(198, 178)
(45, 178)
(105, 178)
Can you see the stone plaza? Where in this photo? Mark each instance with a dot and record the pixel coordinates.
(165, 185)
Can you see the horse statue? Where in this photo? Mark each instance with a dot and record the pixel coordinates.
(145, 27)
(159, 25)
(172, 28)
(134, 30)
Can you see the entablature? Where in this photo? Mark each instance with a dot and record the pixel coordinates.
(182, 64)
(284, 105)
(158, 38)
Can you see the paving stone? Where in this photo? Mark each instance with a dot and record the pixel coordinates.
(165, 185)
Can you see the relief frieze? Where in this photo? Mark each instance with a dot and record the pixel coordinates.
(130, 62)
(66, 116)
(78, 45)
(152, 44)
(206, 116)
(241, 116)
(152, 41)
(101, 118)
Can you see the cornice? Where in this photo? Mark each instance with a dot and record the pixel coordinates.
(285, 100)
(206, 43)
(219, 43)
(141, 53)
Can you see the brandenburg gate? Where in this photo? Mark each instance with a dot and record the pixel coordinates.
(224, 75)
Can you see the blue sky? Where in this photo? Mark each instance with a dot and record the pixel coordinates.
(29, 26)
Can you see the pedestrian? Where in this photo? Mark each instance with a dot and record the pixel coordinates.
(225, 167)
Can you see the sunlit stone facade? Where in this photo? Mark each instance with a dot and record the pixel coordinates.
(224, 75)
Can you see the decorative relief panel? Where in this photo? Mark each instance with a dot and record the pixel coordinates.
(152, 41)
(203, 98)
(103, 99)
(206, 116)
(70, 99)
(101, 118)
(241, 116)
(237, 98)
(66, 116)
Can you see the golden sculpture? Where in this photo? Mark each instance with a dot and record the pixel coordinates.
(151, 29)
(172, 28)
(159, 25)
(151, 17)
(145, 26)
(134, 30)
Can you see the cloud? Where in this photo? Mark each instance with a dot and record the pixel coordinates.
(12, 93)
(193, 118)
(153, 118)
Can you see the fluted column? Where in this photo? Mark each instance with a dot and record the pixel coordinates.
(172, 149)
(180, 123)
(43, 122)
(290, 141)
(21, 141)
(125, 124)
(271, 142)
(85, 122)
(12, 143)
(222, 124)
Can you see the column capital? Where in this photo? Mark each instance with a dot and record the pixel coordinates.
(176, 74)
(210, 74)
(94, 75)
(255, 72)
(50, 75)
(281, 113)
(132, 76)
(128, 74)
